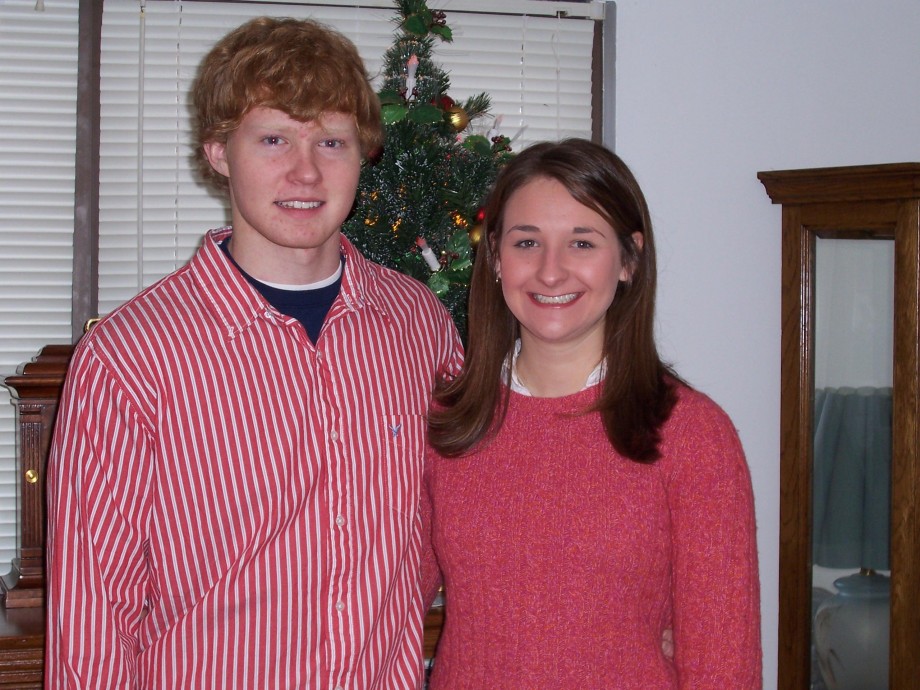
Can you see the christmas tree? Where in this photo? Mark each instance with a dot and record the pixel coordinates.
(419, 199)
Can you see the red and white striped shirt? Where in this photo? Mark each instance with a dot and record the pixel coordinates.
(233, 507)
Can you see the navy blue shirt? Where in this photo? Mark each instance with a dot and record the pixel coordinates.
(309, 307)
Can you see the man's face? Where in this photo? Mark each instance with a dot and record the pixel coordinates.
(292, 184)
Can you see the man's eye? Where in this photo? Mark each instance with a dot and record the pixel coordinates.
(272, 140)
(333, 143)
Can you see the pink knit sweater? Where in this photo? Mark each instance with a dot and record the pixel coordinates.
(563, 562)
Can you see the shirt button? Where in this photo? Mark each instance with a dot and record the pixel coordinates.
(340, 606)
(340, 520)
(334, 435)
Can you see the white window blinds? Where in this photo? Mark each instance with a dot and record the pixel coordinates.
(532, 58)
(38, 89)
(535, 65)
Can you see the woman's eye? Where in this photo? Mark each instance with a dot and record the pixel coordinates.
(583, 244)
(525, 244)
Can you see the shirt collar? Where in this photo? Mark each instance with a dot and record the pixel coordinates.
(227, 293)
(238, 304)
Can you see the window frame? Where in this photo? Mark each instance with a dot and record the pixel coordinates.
(86, 228)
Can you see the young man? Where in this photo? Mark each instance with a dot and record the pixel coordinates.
(235, 473)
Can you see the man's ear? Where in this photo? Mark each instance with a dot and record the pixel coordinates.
(216, 153)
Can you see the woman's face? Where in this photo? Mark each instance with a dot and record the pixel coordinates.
(560, 263)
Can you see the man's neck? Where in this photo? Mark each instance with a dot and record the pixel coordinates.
(274, 264)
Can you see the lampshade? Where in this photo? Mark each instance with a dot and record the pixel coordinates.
(852, 477)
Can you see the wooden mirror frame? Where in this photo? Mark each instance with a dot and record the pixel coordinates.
(858, 202)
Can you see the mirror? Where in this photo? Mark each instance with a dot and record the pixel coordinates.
(827, 211)
(851, 471)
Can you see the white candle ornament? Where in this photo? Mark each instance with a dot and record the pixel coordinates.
(428, 255)
(411, 68)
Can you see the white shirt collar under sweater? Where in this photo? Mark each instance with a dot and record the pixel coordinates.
(518, 386)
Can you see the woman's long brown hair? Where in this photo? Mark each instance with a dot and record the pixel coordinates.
(637, 394)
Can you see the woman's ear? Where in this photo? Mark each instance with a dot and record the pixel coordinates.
(496, 259)
(638, 239)
(629, 267)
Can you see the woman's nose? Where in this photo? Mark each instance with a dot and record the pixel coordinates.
(552, 268)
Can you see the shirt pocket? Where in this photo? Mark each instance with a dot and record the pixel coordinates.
(403, 464)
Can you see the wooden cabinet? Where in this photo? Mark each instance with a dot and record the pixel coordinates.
(859, 202)
(36, 389)
(22, 647)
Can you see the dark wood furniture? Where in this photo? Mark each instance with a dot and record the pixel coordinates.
(22, 648)
(859, 202)
(36, 389)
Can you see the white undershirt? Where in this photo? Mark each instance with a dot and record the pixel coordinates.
(309, 286)
(595, 377)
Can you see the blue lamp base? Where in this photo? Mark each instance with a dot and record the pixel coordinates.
(851, 633)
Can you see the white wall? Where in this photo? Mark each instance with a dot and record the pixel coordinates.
(708, 93)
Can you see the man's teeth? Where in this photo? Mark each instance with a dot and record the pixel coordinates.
(300, 204)
(556, 299)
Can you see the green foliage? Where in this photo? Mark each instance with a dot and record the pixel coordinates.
(429, 180)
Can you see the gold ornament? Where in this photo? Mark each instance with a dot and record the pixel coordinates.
(475, 234)
(459, 120)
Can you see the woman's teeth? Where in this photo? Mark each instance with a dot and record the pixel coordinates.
(555, 299)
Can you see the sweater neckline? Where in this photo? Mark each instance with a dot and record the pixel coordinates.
(581, 399)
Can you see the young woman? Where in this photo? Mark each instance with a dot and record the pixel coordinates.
(582, 502)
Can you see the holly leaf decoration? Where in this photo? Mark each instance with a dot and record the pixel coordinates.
(394, 112)
(443, 31)
(418, 23)
(478, 144)
(459, 244)
(426, 114)
(439, 283)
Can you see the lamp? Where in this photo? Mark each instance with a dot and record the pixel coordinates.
(851, 505)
